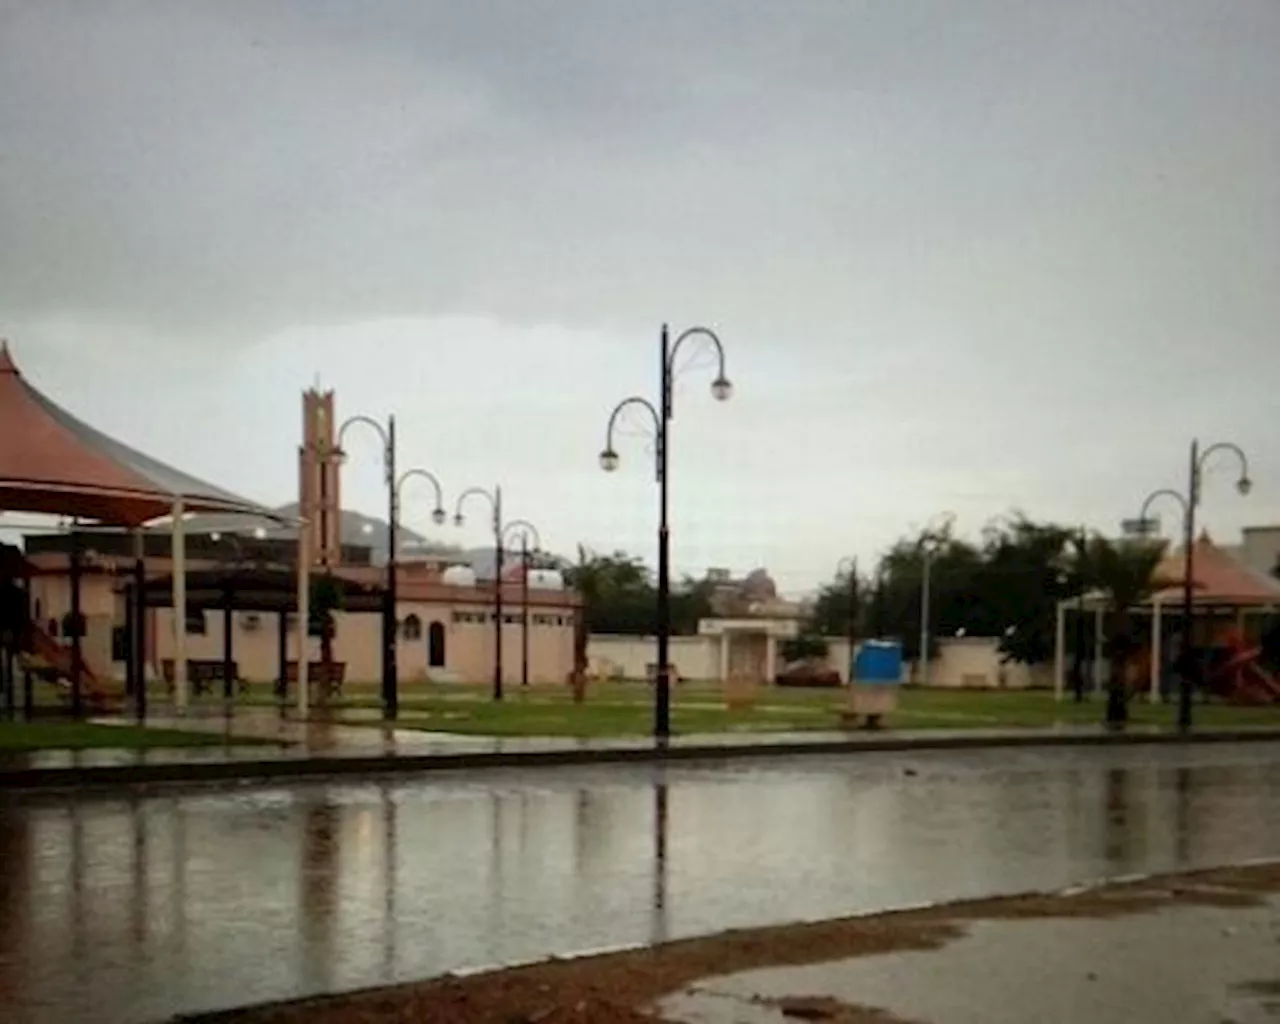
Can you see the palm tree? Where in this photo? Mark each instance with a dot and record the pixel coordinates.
(1125, 572)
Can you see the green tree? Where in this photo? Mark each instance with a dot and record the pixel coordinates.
(807, 645)
(1126, 573)
(1008, 586)
(896, 604)
(690, 604)
(1027, 568)
(326, 601)
(617, 594)
(835, 605)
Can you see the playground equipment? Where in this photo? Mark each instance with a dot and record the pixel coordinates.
(48, 660)
(1237, 673)
(38, 653)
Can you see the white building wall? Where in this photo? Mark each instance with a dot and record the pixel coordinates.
(696, 658)
(615, 656)
(974, 663)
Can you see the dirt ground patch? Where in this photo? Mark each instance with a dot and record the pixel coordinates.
(621, 988)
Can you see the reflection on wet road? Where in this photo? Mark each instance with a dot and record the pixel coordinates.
(135, 908)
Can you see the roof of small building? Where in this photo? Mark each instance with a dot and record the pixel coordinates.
(1217, 578)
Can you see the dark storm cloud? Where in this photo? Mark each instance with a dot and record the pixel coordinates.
(968, 255)
(260, 164)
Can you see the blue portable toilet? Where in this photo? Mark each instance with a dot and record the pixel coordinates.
(878, 662)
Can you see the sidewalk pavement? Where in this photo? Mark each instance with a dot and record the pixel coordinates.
(317, 749)
(1191, 964)
(1193, 948)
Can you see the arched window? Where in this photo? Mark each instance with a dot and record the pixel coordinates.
(413, 628)
(435, 645)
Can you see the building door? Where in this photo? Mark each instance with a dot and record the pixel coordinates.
(435, 645)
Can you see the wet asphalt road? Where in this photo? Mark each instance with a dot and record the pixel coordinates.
(135, 908)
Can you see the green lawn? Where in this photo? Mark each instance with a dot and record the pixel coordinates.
(626, 709)
(619, 709)
(27, 736)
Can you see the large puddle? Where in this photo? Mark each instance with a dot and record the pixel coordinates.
(128, 909)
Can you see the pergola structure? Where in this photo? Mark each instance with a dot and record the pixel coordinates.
(263, 589)
(1222, 588)
(53, 463)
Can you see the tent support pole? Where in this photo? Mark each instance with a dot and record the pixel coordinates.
(179, 558)
(304, 614)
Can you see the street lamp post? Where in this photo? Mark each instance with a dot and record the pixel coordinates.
(494, 498)
(927, 563)
(849, 567)
(439, 517)
(930, 542)
(526, 529)
(721, 390)
(1077, 665)
(228, 595)
(387, 435)
(228, 606)
(1188, 504)
(390, 628)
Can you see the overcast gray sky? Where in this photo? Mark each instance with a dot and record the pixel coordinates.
(963, 256)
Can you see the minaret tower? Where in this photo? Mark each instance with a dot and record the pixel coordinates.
(319, 482)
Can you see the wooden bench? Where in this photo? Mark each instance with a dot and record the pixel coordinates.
(673, 674)
(203, 674)
(316, 675)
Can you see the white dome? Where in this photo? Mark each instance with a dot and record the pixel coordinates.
(459, 576)
(546, 579)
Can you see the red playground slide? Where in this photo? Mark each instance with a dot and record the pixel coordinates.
(1241, 679)
(58, 658)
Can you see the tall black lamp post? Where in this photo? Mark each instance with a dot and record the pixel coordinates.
(439, 517)
(848, 567)
(1188, 504)
(390, 628)
(494, 499)
(1077, 664)
(722, 390)
(525, 530)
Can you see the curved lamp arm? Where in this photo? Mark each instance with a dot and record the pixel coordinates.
(721, 388)
(438, 514)
(609, 457)
(847, 566)
(217, 536)
(459, 519)
(935, 532)
(378, 429)
(1244, 484)
(526, 529)
(1164, 492)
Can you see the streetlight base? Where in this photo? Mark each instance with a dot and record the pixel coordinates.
(1117, 710)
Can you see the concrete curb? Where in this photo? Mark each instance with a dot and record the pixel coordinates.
(311, 768)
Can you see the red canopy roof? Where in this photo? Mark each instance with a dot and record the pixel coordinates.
(1217, 579)
(53, 463)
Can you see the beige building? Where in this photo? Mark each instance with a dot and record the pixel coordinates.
(446, 619)
(446, 624)
(960, 662)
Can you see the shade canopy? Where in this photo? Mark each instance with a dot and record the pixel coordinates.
(1218, 580)
(53, 463)
(256, 589)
